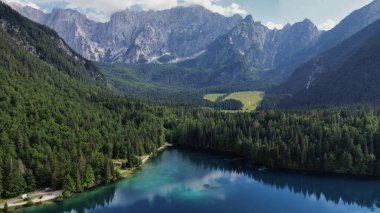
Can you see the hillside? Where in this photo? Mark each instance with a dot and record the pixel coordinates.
(306, 75)
(170, 83)
(39, 40)
(346, 74)
(59, 125)
(349, 26)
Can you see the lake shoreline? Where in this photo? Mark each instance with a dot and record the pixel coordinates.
(181, 180)
(246, 164)
(279, 169)
(56, 199)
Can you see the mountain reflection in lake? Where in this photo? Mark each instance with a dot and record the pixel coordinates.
(190, 181)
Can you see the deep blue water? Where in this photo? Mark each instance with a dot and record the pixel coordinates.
(188, 181)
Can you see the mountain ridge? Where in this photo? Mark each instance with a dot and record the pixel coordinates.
(36, 39)
(142, 36)
(317, 81)
(250, 49)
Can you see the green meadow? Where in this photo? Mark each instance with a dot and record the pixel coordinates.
(250, 99)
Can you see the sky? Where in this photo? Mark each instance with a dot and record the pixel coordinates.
(273, 13)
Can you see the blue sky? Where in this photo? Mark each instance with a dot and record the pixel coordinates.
(273, 13)
(290, 11)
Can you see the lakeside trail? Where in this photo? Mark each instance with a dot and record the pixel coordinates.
(36, 197)
(145, 158)
(42, 196)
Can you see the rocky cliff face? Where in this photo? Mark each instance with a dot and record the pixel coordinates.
(283, 45)
(144, 36)
(256, 49)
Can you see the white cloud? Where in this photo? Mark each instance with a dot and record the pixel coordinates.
(107, 7)
(327, 25)
(21, 3)
(272, 25)
(101, 10)
(212, 5)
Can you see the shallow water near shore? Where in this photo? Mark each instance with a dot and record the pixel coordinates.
(190, 181)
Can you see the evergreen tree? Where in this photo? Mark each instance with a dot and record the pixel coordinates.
(68, 184)
(30, 180)
(14, 184)
(89, 178)
(78, 182)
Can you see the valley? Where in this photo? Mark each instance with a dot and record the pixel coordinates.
(188, 108)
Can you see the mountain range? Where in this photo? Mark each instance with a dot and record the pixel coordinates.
(193, 35)
(206, 49)
(137, 36)
(251, 49)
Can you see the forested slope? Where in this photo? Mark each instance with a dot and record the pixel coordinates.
(58, 124)
(47, 45)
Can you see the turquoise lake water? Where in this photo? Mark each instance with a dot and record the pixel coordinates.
(184, 181)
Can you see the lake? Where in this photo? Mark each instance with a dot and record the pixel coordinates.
(191, 181)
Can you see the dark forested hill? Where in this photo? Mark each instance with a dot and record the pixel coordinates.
(349, 26)
(356, 80)
(304, 77)
(46, 45)
(346, 74)
(58, 124)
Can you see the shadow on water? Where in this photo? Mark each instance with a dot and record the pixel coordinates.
(349, 190)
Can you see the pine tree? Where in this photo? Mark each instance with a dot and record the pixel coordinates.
(89, 178)
(14, 184)
(68, 184)
(108, 172)
(78, 182)
(30, 180)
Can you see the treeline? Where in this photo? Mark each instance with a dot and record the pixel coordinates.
(345, 140)
(227, 105)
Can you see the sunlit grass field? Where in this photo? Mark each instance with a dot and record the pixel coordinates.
(213, 97)
(250, 99)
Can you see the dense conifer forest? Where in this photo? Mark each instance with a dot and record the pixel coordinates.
(337, 140)
(61, 126)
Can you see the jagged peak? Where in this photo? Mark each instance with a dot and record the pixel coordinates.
(307, 21)
(248, 18)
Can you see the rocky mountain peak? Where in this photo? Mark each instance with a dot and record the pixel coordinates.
(248, 19)
(181, 32)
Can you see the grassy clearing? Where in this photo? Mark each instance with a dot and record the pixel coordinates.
(250, 99)
(213, 97)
